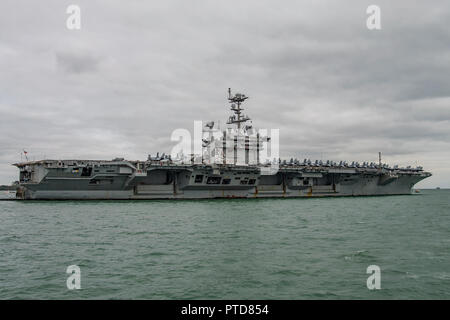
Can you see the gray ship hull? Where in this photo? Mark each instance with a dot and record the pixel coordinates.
(208, 182)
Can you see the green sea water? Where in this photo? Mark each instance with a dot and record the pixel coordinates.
(228, 249)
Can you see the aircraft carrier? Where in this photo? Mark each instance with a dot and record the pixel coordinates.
(231, 162)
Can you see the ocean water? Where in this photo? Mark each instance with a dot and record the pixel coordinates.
(228, 249)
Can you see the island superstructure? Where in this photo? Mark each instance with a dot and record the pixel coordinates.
(233, 163)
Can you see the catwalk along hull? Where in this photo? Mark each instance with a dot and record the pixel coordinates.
(94, 180)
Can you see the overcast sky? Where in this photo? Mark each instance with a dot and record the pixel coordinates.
(137, 70)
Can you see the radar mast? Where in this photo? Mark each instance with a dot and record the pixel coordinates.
(236, 101)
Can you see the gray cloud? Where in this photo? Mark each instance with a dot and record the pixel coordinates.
(74, 62)
(137, 71)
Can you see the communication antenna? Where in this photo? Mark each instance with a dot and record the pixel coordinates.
(236, 102)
